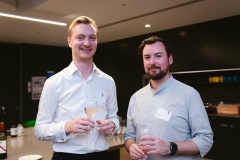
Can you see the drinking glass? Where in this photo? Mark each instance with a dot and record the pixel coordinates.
(144, 131)
(90, 108)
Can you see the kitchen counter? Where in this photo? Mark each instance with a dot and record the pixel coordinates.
(28, 144)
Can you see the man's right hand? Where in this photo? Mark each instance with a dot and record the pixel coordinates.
(136, 153)
(79, 125)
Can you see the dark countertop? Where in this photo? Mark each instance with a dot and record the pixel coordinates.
(223, 115)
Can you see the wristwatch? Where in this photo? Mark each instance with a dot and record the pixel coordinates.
(173, 148)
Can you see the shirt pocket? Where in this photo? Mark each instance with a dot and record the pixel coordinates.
(102, 104)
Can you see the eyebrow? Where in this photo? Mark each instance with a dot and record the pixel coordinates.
(153, 54)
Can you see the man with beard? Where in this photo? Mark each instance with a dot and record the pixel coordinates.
(61, 117)
(173, 111)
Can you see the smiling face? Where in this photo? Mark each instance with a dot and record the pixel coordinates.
(83, 42)
(156, 61)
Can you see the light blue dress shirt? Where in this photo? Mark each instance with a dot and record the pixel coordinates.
(174, 113)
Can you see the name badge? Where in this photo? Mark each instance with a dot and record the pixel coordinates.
(163, 114)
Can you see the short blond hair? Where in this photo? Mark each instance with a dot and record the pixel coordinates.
(84, 20)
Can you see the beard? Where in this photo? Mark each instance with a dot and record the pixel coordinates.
(156, 75)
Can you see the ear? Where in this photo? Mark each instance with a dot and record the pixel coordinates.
(69, 42)
(170, 59)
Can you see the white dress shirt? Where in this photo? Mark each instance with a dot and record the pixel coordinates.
(62, 100)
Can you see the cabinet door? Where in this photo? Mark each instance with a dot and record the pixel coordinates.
(10, 82)
(226, 131)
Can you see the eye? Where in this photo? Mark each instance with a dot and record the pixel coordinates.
(81, 37)
(93, 38)
(158, 55)
(146, 57)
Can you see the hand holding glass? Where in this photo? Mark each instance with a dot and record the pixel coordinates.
(144, 131)
(91, 108)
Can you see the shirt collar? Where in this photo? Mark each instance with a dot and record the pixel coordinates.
(166, 83)
(73, 69)
(163, 85)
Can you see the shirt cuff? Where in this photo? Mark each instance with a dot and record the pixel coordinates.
(61, 135)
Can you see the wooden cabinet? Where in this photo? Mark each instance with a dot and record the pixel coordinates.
(226, 137)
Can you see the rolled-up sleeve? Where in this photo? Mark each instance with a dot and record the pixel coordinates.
(201, 129)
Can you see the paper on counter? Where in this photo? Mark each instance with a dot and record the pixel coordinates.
(31, 157)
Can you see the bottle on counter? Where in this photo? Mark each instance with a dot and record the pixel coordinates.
(3, 142)
(13, 130)
(2, 114)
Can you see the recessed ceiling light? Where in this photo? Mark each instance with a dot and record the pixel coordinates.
(147, 25)
(182, 33)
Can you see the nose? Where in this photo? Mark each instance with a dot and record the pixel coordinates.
(86, 42)
(152, 60)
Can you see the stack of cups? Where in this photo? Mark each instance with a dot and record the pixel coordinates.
(20, 130)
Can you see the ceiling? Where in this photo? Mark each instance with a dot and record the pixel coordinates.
(116, 19)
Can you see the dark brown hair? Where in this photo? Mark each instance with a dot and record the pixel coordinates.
(155, 39)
